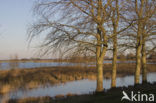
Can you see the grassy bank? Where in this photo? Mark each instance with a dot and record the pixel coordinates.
(32, 78)
(111, 96)
(70, 60)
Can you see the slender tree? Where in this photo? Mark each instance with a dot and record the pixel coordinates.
(139, 12)
(145, 9)
(144, 67)
(119, 25)
(140, 32)
(115, 20)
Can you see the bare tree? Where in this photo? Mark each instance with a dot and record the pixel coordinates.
(77, 26)
(119, 25)
(139, 12)
(115, 20)
(142, 12)
(86, 27)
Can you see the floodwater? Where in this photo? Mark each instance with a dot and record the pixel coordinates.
(23, 65)
(76, 87)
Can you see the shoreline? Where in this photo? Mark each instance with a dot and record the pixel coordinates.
(105, 96)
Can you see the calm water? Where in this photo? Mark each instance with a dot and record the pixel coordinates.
(75, 87)
(5, 66)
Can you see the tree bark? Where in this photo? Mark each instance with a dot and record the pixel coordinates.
(139, 12)
(99, 50)
(115, 20)
(144, 67)
(138, 65)
(99, 66)
(99, 75)
(113, 82)
(138, 55)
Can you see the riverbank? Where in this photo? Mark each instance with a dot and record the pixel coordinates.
(32, 78)
(110, 96)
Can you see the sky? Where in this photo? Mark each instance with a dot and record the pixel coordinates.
(15, 18)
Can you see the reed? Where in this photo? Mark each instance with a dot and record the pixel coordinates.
(32, 78)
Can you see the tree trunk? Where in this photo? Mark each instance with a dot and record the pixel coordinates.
(101, 47)
(139, 12)
(144, 68)
(115, 20)
(138, 66)
(99, 75)
(99, 65)
(113, 82)
(138, 56)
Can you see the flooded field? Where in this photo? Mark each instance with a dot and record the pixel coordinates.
(23, 65)
(14, 65)
(54, 79)
(76, 87)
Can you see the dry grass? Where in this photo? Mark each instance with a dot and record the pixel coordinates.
(32, 78)
(5, 89)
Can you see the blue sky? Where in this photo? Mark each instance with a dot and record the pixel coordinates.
(15, 17)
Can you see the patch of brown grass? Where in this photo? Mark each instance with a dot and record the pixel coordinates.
(5, 89)
(32, 78)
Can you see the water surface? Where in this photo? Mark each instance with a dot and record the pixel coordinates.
(28, 65)
(76, 87)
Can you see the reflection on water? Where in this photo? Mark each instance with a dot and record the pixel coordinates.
(75, 87)
(13, 65)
